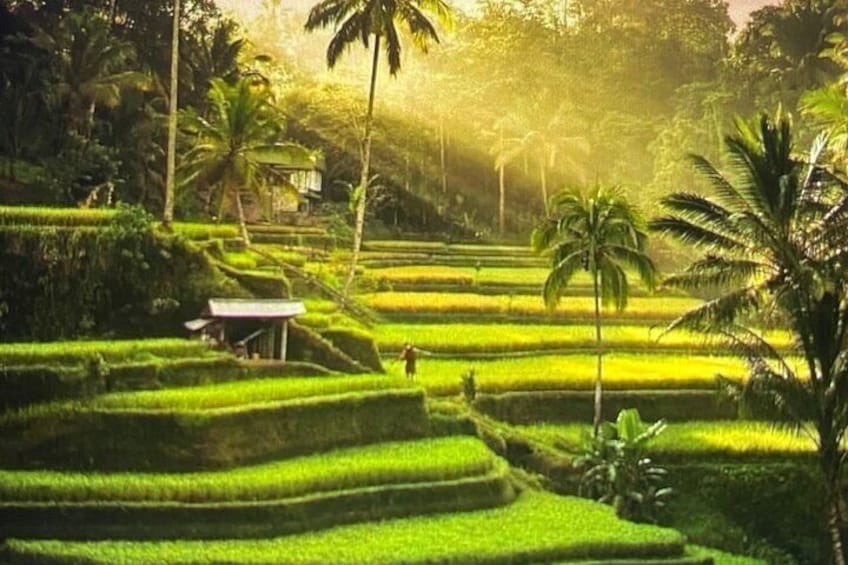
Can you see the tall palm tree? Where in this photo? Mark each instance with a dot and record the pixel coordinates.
(504, 150)
(173, 104)
(360, 20)
(601, 233)
(237, 141)
(773, 238)
(547, 145)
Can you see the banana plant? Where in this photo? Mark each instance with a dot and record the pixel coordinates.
(617, 471)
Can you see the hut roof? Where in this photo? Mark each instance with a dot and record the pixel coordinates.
(263, 308)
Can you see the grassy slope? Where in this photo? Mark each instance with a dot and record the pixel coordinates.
(576, 372)
(737, 439)
(68, 352)
(245, 392)
(388, 463)
(651, 308)
(536, 526)
(488, 338)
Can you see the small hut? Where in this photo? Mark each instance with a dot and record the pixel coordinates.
(251, 327)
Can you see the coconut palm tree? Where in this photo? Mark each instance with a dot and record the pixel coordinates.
(504, 150)
(92, 67)
(773, 239)
(237, 141)
(362, 20)
(601, 233)
(547, 145)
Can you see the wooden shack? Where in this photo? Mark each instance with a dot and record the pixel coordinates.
(250, 327)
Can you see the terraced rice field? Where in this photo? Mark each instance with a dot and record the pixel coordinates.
(387, 463)
(479, 339)
(421, 304)
(353, 458)
(532, 527)
(74, 352)
(739, 440)
(576, 372)
(246, 392)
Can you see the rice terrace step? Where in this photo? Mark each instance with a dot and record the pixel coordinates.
(289, 495)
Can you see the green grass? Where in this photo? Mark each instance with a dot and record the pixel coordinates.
(720, 557)
(244, 261)
(241, 393)
(436, 274)
(570, 307)
(198, 231)
(622, 371)
(536, 527)
(458, 339)
(117, 351)
(46, 216)
(713, 440)
(420, 461)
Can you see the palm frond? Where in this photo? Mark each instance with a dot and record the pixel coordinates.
(559, 277)
(614, 285)
(636, 260)
(720, 312)
(353, 28)
(691, 233)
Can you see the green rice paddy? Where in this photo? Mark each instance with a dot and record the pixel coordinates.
(245, 392)
(536, 526)
(428, 460)
(622, 371)
(697, 440)
(116, 351)
(434, 303)
(459, 339)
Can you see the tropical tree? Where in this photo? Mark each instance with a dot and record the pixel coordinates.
(237, 142)
(829, 105)
(360, 20)
(548, 144)
(773, 239)
(173, 104)
(504, 150)
(92, 67)
(601, 233)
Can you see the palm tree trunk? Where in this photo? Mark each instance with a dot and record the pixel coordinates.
(171, 166)
(829, 458)
(359, 226)
(834, 520)
(501, 200)
(242, 222)
(596, 423)
(543, 178)
(442, 144)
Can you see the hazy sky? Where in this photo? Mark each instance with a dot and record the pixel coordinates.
(739, 9)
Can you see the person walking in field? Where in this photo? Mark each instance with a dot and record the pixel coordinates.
(409, 356)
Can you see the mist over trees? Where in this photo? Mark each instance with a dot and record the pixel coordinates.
(619, 91)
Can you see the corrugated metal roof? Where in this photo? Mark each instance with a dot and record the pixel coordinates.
(255, 308)
(198, 324)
